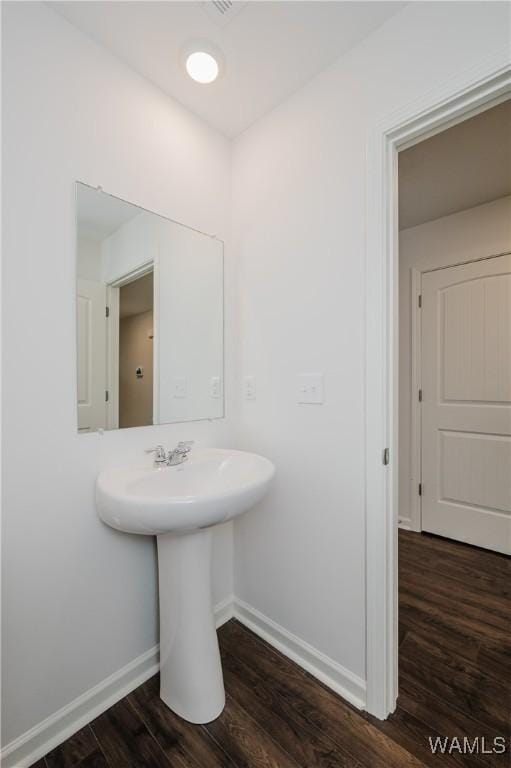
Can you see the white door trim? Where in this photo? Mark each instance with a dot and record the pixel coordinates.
(415, 416)
(484, 85)
(112, 357)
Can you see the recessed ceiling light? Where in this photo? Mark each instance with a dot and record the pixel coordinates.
(202, 67)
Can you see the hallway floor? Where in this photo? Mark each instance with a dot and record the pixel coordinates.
(455, 672)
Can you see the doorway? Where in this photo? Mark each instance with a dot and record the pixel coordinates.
(455, 435)
(455, 332)
(130, 355)
(136, 352)
(485, 87)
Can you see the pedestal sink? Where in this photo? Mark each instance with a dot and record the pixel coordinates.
(179, 505)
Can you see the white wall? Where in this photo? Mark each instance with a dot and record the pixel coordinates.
(189, 326)
(79, 599)
(471, 234)
(299, 205)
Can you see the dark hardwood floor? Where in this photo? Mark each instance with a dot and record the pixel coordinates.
(455, 673)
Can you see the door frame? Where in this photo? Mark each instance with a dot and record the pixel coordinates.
(112, 339)
(469, 93)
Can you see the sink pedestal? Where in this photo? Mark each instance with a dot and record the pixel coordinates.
(191, 681)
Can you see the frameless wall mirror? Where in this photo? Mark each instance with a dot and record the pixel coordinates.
(149, 300)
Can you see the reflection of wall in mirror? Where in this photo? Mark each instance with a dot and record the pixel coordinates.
(190, 325)
(133, 244)
(88, 259)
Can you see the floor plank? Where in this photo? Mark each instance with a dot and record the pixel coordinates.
(455, 681)
(317, 704)
(80, 749)
(438, 718)
(455, 656)
(249, 745)
(126, 741)
(455, 675)
(190, 743)
(303, 741)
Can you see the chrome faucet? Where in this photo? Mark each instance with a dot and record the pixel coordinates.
(180, 453)
(160, 458)
(171, 459)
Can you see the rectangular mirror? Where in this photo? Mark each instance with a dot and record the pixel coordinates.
(149, 303)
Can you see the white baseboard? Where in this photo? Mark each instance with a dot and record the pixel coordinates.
(224, 610)
(341, 680)
(405, 523)
(56, 728)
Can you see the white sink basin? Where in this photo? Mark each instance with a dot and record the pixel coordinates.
(211, 487)
(179, 505)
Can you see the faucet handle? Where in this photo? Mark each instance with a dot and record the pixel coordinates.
(159, 451)
(185, 446)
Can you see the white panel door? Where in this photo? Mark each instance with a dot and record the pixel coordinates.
(466, 403)
(91, 303)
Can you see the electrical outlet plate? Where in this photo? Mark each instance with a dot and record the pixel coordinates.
(311, 388)
(179, 387)
(216, 387)
(249, 387)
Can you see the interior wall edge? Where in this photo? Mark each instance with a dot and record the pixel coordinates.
(345, 683)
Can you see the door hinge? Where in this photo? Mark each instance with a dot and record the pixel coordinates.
(420, 300)
(420, 489)
(420, 395)
(107, 311)
(386, 456)
(106, 395)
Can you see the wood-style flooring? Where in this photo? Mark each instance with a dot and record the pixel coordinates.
(455, 673)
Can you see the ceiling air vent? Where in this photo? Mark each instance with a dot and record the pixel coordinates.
(223, 11)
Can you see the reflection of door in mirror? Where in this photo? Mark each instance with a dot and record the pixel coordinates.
(136, 352)
(91, 355)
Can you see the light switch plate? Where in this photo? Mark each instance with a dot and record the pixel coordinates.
(249, 387)
(311, 388)
(216, 387)
(179, 387)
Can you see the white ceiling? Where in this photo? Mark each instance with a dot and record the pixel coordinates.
(99, 215)
(270, 48)
(464, 166)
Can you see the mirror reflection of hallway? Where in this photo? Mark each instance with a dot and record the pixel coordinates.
(136, 352)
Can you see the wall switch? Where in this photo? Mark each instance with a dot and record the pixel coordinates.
(249, 387)
(310, 388)
(216, 387)
(179, 386)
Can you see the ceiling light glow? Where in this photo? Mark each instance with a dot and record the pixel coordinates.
(202, 67)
